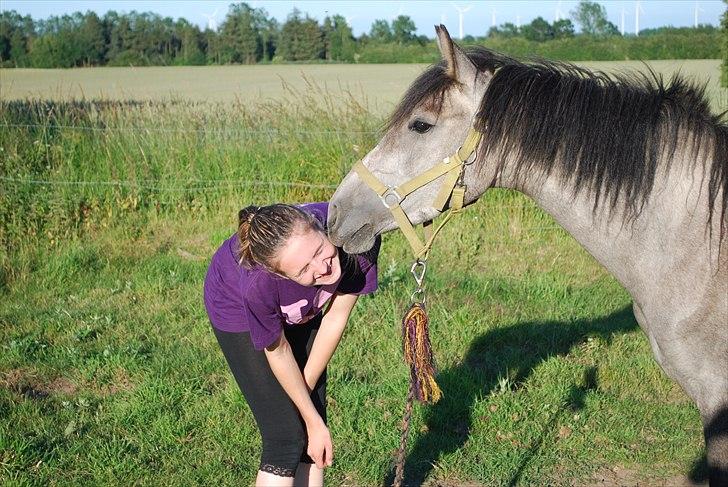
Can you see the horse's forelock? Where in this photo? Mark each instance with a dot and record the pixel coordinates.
(427, 91)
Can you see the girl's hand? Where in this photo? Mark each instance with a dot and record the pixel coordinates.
(320, 448)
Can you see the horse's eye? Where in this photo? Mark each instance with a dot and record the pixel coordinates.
(420, 127)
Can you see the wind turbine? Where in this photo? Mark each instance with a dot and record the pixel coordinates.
(697, 9)
(443, 18)
(211, 22)
(492, 17)
(558, 14)
(518, 21)
(637, 10)
(461, 11)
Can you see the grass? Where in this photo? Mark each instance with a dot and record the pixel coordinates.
(109, 373)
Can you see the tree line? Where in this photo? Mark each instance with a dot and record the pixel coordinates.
(249, 35)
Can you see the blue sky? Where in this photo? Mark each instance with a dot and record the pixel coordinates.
(361, 14)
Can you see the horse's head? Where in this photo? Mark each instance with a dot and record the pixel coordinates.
(430, 123)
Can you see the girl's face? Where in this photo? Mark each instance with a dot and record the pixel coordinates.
(309, 259)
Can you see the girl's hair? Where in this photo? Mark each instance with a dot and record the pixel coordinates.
(263, 230)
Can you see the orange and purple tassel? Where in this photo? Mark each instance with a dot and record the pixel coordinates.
(418, 354)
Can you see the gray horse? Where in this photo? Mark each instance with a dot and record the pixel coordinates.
(634, 168)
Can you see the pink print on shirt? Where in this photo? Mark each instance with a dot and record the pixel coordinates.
(294, 312)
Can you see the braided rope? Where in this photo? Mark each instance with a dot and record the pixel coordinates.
(402, 451)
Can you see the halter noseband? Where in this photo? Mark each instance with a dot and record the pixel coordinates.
(452, 188)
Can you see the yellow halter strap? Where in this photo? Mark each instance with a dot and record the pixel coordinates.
(452, 188)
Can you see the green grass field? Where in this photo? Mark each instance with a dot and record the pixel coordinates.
(109, 373)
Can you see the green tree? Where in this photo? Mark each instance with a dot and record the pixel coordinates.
(724, 34)
(563, 28)
(92, 37)
(270, 34)
(338, 39)
(403, 30)
(539, 30)
(16, 34)
(592, 18)
(507, 30)
(241, 35)
(380, 31)
(192, 51)
(301, 38)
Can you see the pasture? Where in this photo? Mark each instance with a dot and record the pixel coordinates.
(109, 373)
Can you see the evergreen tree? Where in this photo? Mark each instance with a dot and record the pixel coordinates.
(301, 38)
(240, 34)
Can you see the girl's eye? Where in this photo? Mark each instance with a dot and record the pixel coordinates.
(420, 126)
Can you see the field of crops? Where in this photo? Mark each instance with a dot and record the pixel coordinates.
(379, 86)
(109, 373)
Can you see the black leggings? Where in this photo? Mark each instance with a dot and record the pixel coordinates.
(281, 427)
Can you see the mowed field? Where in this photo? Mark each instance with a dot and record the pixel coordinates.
(380, 85)
(109, 373)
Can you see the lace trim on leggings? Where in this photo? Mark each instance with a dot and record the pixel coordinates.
(280, 471)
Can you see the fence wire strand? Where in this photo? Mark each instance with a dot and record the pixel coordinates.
(189, 130)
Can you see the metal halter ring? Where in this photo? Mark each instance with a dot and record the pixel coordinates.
(391, 192)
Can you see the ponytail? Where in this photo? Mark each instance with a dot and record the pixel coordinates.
(264, 230)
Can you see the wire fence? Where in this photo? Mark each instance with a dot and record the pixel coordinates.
(191, 185)
(203, 184)
(205, 130)
(217, 184)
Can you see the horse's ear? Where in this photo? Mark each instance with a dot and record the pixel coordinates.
(459, 66)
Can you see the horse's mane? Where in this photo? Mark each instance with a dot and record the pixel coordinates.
(607, 134)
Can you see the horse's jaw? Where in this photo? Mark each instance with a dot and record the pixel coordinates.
(361, 241)
(353, 227)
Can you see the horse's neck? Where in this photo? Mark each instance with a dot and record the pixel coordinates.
(605, 237)
(657, 244)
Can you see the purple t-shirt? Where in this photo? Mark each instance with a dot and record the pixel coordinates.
(262, 303)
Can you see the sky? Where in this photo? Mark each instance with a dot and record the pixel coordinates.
(360, 14)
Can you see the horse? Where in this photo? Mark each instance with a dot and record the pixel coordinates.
(634, 167)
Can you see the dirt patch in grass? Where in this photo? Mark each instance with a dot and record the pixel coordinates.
(623, 477)
(61, 385)
(26, 383)
(121, 382)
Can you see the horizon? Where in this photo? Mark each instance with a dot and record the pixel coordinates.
(478, 16)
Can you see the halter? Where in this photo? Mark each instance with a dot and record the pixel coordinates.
(452, 167)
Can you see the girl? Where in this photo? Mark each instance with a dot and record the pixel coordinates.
(265, 293)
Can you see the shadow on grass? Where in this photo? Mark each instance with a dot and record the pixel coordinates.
(518, 349)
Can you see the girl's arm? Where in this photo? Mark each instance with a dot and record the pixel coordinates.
(284, 367)
(328, 337)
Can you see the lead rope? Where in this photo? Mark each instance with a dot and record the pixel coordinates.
(417, 351)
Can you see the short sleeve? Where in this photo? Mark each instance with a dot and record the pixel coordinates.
(263, 313)
(360, 271)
